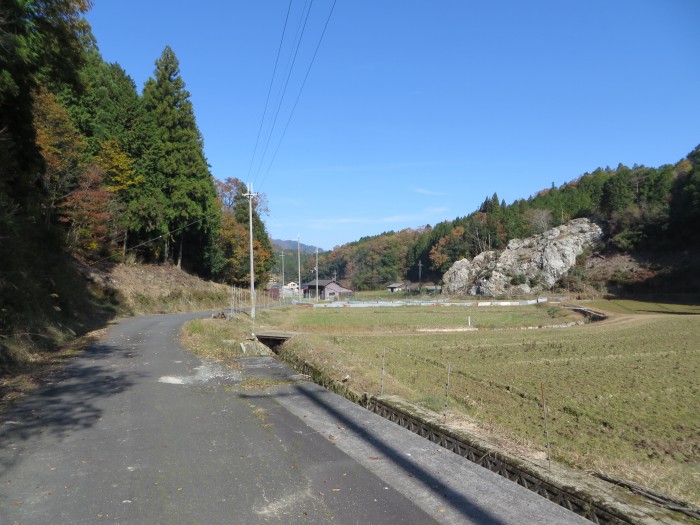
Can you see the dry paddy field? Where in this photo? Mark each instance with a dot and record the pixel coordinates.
(623, 395)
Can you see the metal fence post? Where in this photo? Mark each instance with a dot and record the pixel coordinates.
(447, 388)
(383, 366)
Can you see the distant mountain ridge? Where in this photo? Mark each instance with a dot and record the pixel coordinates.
(292, 245)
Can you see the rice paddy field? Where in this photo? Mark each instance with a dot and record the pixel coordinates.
(622, 395)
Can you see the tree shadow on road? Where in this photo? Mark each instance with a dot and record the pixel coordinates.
(67, 402)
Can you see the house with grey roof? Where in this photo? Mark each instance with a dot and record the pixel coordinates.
(328, 290)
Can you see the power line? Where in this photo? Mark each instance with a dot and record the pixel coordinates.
(269, 91)
(157, 238)
(291, 114)
(284, 90)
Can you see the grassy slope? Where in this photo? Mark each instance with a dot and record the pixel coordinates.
(45, 302)
(60, 307)
(165, 289)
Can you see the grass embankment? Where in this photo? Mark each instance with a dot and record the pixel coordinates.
(53, 309)
(45, 303)
(148, 289)
(622, 395)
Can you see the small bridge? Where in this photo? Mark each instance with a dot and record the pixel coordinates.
(587, 312)
(273, 338)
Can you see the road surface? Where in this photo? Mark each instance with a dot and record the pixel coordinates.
(139, 431)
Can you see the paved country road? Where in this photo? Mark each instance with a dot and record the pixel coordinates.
(139, 431)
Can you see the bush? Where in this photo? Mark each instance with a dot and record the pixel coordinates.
(518, 279)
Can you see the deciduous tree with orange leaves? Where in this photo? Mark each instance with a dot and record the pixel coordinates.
(234, 236)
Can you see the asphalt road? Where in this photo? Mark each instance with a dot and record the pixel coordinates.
(139, 431)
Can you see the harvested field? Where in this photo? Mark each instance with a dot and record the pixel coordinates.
(622, 395)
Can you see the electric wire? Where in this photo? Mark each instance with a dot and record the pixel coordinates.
(291, 59)
(269, 91)
(284, 90)
(291, 114)
(156, 238)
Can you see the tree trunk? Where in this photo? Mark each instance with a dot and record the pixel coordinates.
(126, 235)
(179, 254)
(166, 253)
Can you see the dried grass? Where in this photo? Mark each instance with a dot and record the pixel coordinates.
(622, 394)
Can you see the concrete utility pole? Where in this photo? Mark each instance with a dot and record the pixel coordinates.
(250, 196)
(282, 289)
(420, 272)
(298, 268)
(316, 274)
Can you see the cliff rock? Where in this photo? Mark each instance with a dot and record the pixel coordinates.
(526, 265)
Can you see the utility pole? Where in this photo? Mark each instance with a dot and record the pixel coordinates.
(317, 274)
(250, 196)
(298, 268)
(282, 289)
(420, 275)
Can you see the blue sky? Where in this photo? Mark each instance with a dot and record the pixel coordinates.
(414, 111)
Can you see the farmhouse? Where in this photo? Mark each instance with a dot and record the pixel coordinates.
(328, 290)
(276, 291)
(396, 287)
(293, 286)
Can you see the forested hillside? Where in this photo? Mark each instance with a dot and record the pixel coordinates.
(95, 171)
(643, 209)
(371, 262)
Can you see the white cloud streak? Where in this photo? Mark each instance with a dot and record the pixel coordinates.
(403, 220)
(423, 191)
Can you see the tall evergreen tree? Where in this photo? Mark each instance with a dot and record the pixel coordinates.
(108, 106)
(176, 154)
(618, 192)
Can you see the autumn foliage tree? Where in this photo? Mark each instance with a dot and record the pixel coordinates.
(234, 237)
(61, 147)
(123, 182)
(448, 249)
(88, 214)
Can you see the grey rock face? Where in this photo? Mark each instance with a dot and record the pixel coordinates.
(526, 265)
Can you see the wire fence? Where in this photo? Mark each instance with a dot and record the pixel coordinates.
(440, 383)
(241, 299)
(451, 390)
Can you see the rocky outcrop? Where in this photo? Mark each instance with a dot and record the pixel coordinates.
(526, 265)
